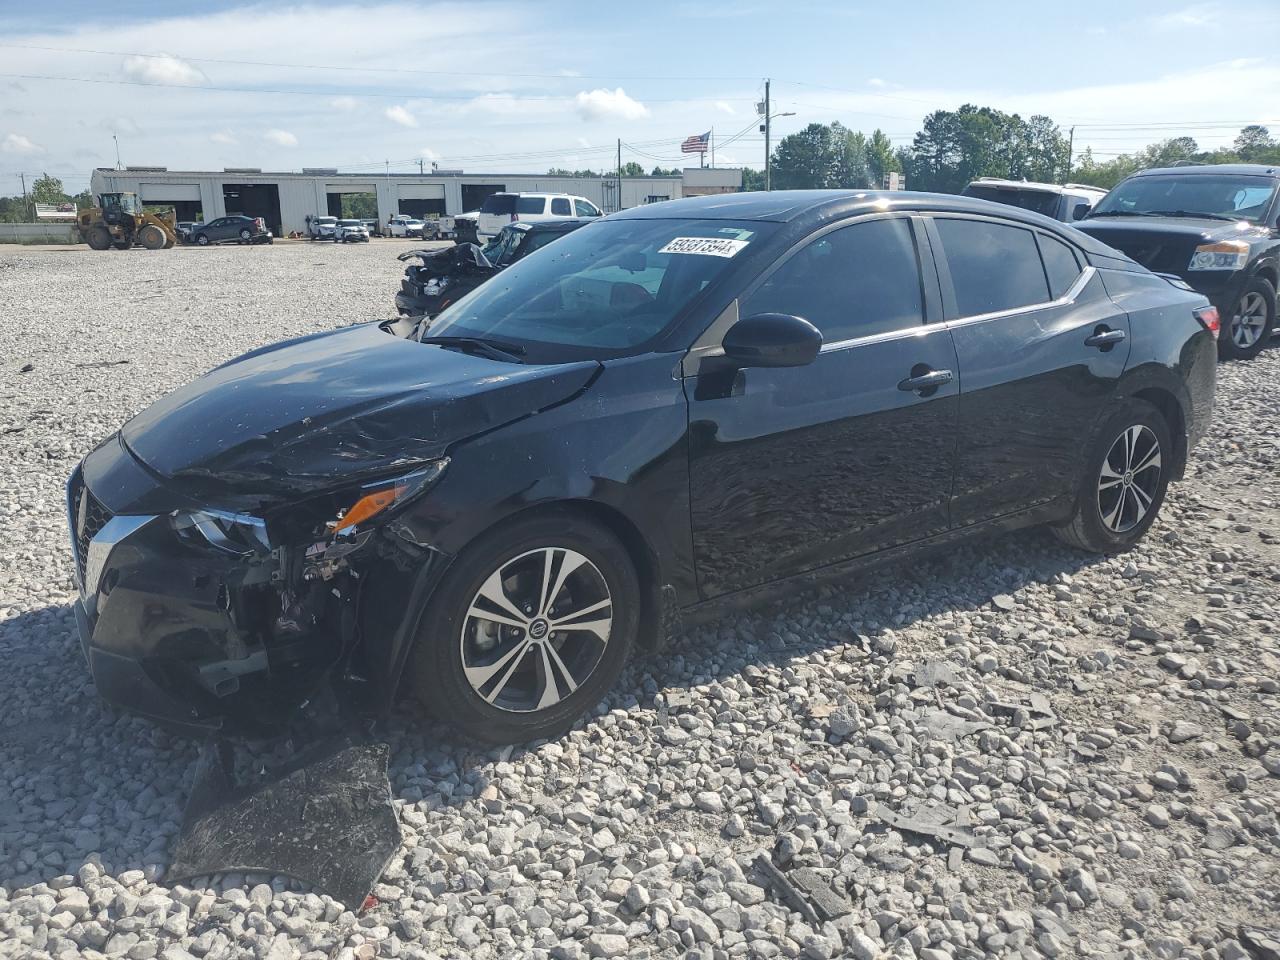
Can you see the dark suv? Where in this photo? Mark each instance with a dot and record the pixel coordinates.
(1214, 226)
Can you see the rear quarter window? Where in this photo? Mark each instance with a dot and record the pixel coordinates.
(499, 203)
(531, 205)
(560, 206)
(1061, 265)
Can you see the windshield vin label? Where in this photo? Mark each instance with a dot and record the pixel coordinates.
(706, 246)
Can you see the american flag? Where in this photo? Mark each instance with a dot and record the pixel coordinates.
(697, 143)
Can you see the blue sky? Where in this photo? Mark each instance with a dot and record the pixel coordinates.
(523, 86)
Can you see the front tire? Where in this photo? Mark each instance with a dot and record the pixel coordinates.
(1248, 326)
(202, 240)
(528, 629)
(1126, 475)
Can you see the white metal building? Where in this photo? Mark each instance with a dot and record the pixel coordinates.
(285, 200)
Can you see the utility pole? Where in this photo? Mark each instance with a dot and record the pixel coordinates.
(117, 143)
(1071, 151)
(26, 207)
(768, 182)
(619, 173)
(421, 171)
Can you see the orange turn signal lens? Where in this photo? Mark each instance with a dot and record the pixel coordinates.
(368, 506)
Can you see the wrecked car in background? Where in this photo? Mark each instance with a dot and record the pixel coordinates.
(670, 407)
(443, 276)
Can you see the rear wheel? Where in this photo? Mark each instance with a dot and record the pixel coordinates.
(98, 238)
(152, 237)
(1124, 483)
(246, 234)
(528, 630)
(1250, 323)
(202, 240)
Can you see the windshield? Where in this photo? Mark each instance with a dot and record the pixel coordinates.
(350, 223)
(1040, 201)
(602, 290)
(1240, 197)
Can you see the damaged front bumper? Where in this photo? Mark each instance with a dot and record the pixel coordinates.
(196, 621)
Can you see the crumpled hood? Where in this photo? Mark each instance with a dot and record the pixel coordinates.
(307, 414)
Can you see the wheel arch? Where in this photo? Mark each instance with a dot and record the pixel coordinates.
(1170, 407)
(1270, 271)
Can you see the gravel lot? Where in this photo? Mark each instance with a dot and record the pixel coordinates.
(1138, 818)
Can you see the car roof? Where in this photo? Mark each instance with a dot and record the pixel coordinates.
(1001, 184)
(1202, 169)
(784, 206)
(812, 208)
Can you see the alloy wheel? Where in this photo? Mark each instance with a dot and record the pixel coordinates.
(536, 629)
(1249, 320)
(1130, 479)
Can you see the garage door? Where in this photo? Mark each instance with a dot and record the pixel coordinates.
(423, 191)
(169, 192)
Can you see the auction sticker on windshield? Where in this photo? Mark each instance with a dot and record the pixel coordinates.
(706, 246)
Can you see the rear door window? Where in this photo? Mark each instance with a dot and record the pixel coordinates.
(857, 281)
(531, 205)
(993, 266)
(1060, 264)
(560, 206)
(499, 203)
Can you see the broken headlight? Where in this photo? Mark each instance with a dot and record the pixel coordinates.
(380, 499)
(236, 533)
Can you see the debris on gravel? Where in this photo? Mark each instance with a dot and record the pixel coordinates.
(1102, 733)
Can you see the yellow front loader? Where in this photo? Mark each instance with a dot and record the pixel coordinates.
(119, 221)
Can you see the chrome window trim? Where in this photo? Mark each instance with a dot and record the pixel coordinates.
(916, 331)
(114, 532)
(1082, 281)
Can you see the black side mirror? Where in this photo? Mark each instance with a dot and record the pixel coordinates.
(772, 340)
(1080, 210)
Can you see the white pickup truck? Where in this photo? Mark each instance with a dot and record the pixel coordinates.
(402, 225)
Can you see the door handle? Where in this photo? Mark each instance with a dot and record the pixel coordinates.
(1105, 339)
(926, 382)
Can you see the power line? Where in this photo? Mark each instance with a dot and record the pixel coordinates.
(400, 95)
(405, 70)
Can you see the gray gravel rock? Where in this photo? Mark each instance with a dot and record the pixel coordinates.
(1133, 813)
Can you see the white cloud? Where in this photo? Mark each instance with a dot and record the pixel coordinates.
(603, 104)
(877, 82)
(1199, 15)
(401, 115)
(224, 137)
(345, 104)
(426, 153)
(17, 143)
(725, 107)
(281, 138)
(163, 68)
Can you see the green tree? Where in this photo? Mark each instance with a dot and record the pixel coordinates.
(881, 158)
(752, 179)
(632, 169)
(1254, 145)
(820, 156)
(956, 147)
(660, 172)
(359, 206)
(47, 189)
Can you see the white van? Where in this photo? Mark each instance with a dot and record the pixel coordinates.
(499, 209)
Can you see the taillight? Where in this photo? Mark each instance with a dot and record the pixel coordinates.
(1208, 317)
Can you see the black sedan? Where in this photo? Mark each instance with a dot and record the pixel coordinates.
(659, 412)
(1216, 226)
